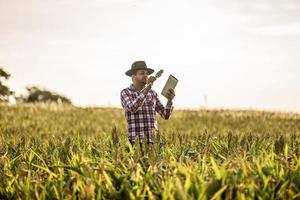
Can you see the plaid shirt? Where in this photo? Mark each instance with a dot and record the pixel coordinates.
(140, 112)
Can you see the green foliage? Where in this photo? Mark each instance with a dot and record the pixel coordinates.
(62, 152)
(36, 94)
(5, 92)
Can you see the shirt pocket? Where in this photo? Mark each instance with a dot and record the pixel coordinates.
(150, 100)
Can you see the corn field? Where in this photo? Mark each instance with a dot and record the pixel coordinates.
(63, 152)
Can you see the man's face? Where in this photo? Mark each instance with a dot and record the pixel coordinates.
(141, 76)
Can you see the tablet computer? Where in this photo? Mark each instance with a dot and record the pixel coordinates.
(171, 83)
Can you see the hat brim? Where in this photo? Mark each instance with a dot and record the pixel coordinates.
(131, 71)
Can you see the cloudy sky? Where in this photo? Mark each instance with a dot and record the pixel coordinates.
(226, 54)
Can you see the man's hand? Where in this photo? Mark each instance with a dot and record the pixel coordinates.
(151, 79)
(170, 95)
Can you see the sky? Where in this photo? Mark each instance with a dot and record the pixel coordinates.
(236, 54)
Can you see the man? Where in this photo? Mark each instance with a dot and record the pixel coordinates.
(140, 106)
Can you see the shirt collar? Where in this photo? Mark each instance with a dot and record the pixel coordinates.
(131, 87)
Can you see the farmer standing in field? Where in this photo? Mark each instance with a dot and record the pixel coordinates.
(141, 103)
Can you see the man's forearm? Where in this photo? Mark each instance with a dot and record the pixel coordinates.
(169, 103)
(132, 104)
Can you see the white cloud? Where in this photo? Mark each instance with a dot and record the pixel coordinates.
(92, 44)
(291, 29)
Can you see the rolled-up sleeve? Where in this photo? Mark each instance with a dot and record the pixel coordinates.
(165, 112)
